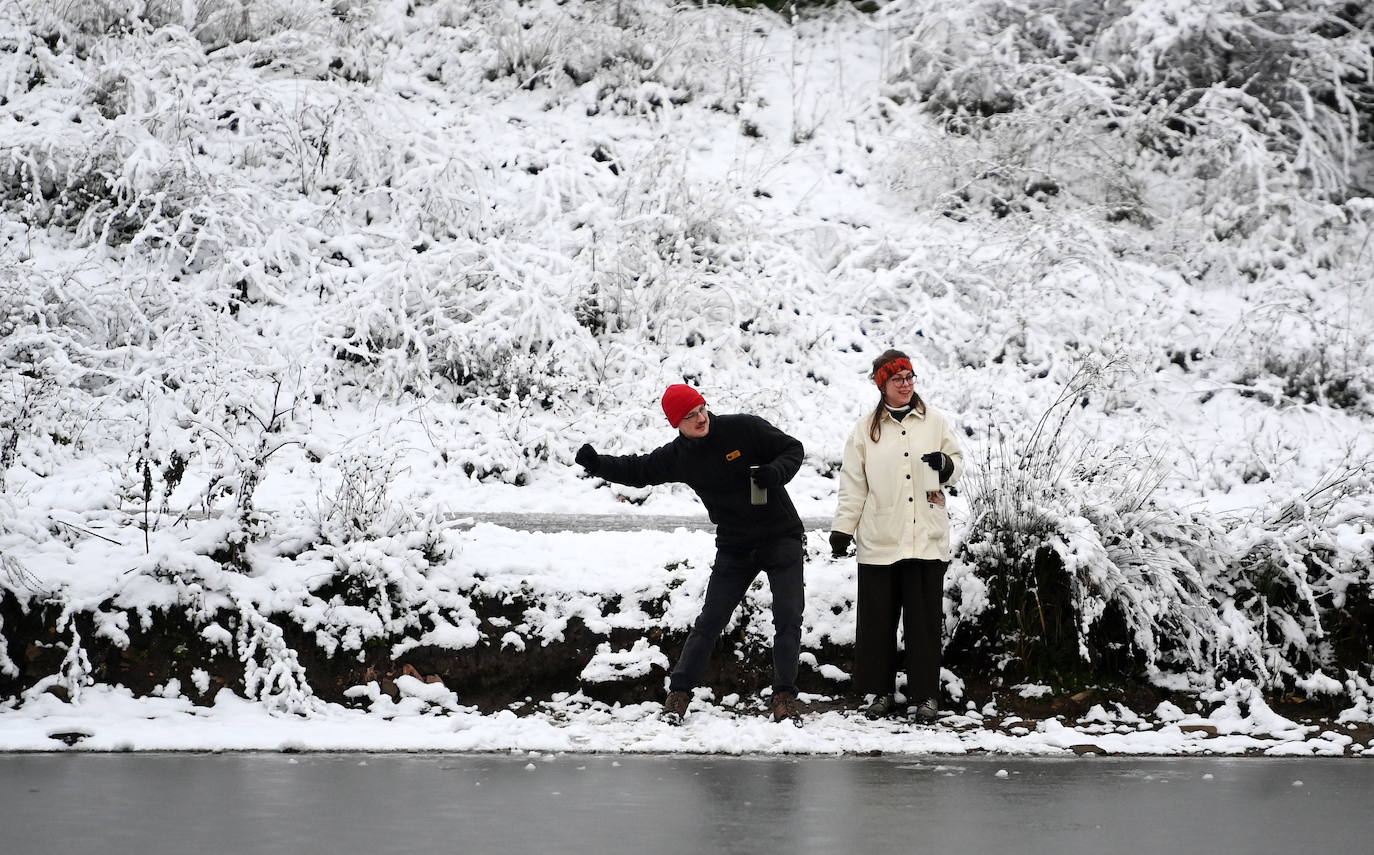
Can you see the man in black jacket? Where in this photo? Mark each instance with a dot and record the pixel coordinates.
(718, 456)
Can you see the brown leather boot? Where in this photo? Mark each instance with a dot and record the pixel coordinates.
(675, 707)
(785, 707)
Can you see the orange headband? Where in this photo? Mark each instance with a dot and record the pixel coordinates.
(887, 369)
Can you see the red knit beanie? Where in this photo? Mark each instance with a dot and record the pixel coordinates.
(678, 400)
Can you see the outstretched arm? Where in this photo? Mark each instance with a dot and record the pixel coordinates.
(632, 470)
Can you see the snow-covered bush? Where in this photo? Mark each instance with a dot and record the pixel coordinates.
(109, 162)
(1092, 574)
(1071, 562)
(448, 320)
(246, 428)
(52, 335)
(1306, 600)
(963, 58)
(215, 22)
(1286, 69)
(1024, 160)
(1343, 379)
(1294, 350)
(1264, 104)
(1296, 62)
(153, 473)
(629, 58)
(193, 585)
(93, 189)
(378, 592)
(359, 507)
(1017, 598)
(272, 671)
(22, 400)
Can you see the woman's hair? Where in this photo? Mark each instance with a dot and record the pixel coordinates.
(875, 424)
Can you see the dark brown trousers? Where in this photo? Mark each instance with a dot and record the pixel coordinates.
(913, 589)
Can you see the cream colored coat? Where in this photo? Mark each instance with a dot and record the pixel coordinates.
(883, 489)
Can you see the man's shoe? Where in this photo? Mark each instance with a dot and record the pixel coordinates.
(926, 712)
(675, 707)
(881, 706)
(785, 708)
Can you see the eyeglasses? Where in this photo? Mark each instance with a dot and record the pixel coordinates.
(694, 414)
(902, 379)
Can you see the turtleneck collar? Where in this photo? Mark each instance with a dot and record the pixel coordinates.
(898, 413)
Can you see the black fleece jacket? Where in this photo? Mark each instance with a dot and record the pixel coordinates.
(716, 467)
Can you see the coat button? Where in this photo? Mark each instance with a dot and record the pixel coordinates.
(908, 477)
(910, 499)
(906, 453)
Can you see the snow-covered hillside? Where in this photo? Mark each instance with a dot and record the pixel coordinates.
(287, 286)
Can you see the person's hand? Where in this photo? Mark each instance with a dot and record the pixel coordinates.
(587, 457)
(766, 476)
(839, 543)
(940, 462)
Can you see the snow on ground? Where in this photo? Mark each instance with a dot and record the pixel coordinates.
(429, 719)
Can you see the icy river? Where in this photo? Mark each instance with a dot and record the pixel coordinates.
(338, 804)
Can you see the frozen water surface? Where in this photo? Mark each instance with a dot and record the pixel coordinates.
(531, 802)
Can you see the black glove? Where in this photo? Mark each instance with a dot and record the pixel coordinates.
(839, 543)
(766, 476)
(940, 462)
(587, 458)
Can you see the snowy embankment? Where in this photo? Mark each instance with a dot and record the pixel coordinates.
(612, 592)
(285, 292)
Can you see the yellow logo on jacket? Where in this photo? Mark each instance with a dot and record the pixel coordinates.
(734, 455)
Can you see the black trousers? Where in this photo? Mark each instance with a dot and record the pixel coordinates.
(913, 589)
(734, 569)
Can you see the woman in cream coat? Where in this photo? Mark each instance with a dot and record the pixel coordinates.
(892, 507)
